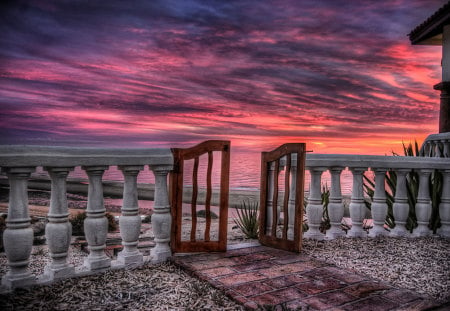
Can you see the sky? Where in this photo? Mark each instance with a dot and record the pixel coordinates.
(339, 75)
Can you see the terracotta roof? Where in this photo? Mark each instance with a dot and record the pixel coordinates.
(428, 32)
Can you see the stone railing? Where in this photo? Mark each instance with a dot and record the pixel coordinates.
(18, 162)
(379, 165)
(436, 145)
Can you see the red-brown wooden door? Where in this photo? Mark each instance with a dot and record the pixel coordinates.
(194, 242)
(285, 164)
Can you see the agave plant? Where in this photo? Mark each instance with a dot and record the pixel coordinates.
(412, 186)
(247, 219)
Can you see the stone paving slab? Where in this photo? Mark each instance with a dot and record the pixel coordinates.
(258, 277)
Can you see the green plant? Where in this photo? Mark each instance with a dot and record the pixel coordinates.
(247, 219)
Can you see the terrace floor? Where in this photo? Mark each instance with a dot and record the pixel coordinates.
(263, 277)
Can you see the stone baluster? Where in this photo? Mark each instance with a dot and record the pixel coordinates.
(314, 209)
(357, 206)
(335, 205)
(96, 224)
(18, 236)
(379, 206)
(270, 191)
(439, 149)
(444, 206)
(291, 203)
(423, 205)
(161, 219)
(130, 221)
(58, 231)
(401, 206)
(446, 144)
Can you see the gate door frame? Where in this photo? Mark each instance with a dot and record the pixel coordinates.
(176, 195)
(291, 231)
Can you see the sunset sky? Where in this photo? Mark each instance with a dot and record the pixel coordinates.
(339, 75)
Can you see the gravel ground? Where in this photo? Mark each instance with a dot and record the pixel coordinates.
(419, 264)
(150, 287)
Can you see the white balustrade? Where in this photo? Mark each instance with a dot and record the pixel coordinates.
(444, 206)
(96, 223)
(58, 231)
(314, 208)
(18, 162)
(270, 192)
(18, 236)
(358, 165)
(357, 206)
(130, 221)
(379, 206)
(161, 219)
(401, 206)
(335, 205)
(291, 204)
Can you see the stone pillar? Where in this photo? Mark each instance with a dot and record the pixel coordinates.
(314, 209)
(357, 206)
(444, 206)
(444, 114)
(401, 206)
(18, 236)
(379, 206)
(130, 221)
(58, 231)
(423, 205)
(291, 204)
(161, 219)
(335, 206)
(96, 224)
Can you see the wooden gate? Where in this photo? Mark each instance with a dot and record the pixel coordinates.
(287, 163)
(193, 242)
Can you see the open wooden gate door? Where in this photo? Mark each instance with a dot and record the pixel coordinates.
(286, 163)
(184, 240)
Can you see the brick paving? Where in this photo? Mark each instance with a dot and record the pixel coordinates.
(259, 277)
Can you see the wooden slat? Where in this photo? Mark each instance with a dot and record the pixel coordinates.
(286, 195)
(263, 195)
(194, 199)
(275, 198)
(208, 197)
(224, 192)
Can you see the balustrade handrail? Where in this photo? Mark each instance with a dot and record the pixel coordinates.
(372, 161)
(22, 155)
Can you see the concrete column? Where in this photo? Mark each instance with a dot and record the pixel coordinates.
(314, 209)
(58, 231)
(291, 204)
(130, 221)
(18, 236)
(379, 205)
(401, 206)
(357, 206)
(335, 206)
(423, 205)
(96, 224)
(444, 206)
(270, 191)
(161, 219)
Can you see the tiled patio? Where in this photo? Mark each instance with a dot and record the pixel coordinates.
(259, 276)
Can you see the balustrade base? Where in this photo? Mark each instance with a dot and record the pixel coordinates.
(127, 259)
(314, 235)
(399, 232)
(334, 233)
(53, 274)
(444, 232)
(21, 280)
(421, 231)
(159, 255)
(356, 232)
(97, 264)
